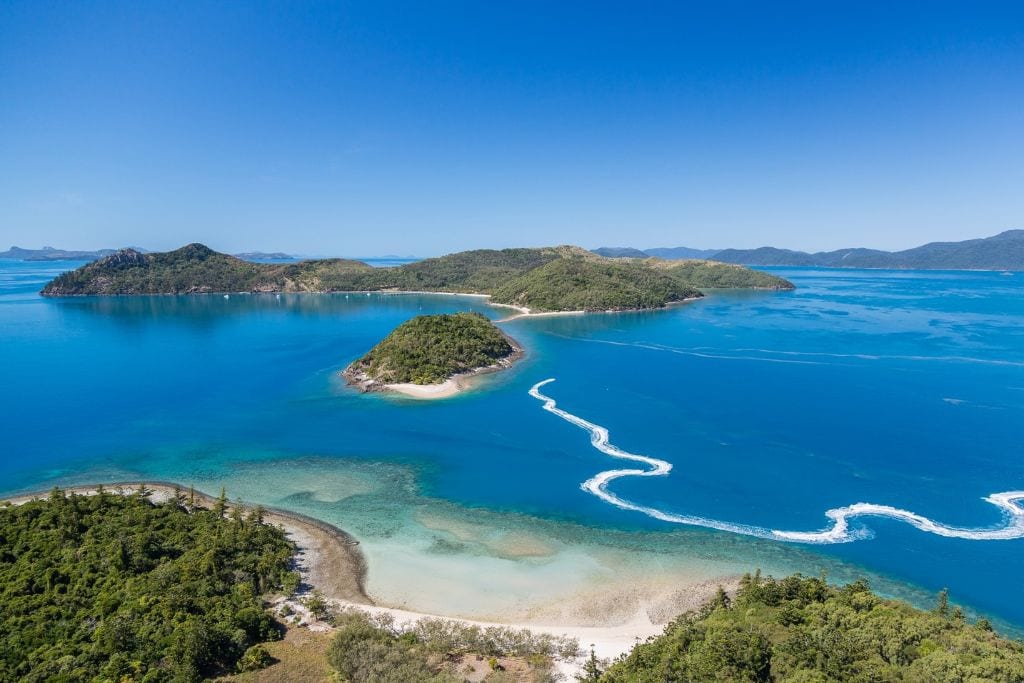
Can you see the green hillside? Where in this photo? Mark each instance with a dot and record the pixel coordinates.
(589, 284)
(803, 630)
(562, 278)
(431, 348)
(717, 275)
(197, 269)
(110, 588)
(478, 271)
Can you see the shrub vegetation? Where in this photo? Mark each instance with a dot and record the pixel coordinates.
(803, 630)
(374, 649)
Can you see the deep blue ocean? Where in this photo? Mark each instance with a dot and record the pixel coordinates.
(898, 388)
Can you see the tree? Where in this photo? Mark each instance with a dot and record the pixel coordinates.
(802, 629)
(942, 608)
(256, 514)
(721, 599)
(254, 659)
(318, 606)
(591, 669)
(112, 587)
(220, 506)
(236, 512)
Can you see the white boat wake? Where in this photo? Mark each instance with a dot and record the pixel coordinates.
(840, 531)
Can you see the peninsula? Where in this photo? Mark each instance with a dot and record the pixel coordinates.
(163, 583)
(431, 356)
(564, 278)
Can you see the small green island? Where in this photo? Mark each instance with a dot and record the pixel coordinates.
(546, 279)
(431, 356)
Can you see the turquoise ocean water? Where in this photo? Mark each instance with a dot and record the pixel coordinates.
(899, 389)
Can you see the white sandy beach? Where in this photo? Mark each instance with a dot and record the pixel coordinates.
(608, 641)
(446, 389)
(449, 387)
(617, 614)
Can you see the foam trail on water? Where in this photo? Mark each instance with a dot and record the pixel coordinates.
(1009, 503)
(790, 356)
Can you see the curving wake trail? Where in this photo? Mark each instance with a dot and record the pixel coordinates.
(840, 531)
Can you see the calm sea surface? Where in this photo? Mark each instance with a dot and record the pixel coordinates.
(903, 389)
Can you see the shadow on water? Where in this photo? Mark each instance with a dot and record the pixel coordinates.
(204, 310)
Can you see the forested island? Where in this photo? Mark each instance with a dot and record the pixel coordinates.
(544, 279)
(433, 349)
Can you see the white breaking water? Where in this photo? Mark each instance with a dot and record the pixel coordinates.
(839, 532)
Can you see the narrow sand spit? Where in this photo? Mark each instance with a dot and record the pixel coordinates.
(524, 312)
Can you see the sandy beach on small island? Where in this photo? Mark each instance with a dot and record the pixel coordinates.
(462, 382)
(610, 617)
(450, 387)
(445, 389)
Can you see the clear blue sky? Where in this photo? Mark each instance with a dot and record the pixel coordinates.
(428, 127)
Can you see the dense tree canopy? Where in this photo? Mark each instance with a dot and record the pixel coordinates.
(431, 348)
(803, 630)
(589, 284)
(111, 587)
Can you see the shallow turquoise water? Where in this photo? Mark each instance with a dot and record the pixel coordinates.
(897, 388)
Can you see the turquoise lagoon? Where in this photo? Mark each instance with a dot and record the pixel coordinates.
(902, 389)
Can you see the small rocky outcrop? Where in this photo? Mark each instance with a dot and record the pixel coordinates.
(123, 258)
